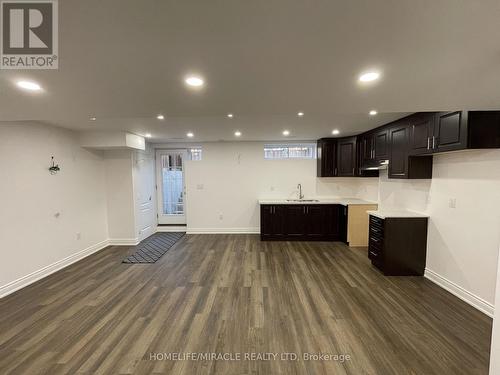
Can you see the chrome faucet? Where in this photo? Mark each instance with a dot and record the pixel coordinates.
(299, 186)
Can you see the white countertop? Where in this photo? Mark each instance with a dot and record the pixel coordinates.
(395, 213)
(341, 201)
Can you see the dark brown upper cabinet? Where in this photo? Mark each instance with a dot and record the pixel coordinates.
(367, 147)
(375, 145)
(409, 144)
(398, 156)
(346, 157)
(432, 133)
(381, 141)
(450, 131)
(327, 157)
(401, 164)
(361, 157)
(421, 131)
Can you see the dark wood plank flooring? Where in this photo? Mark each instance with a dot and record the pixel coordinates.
(236, 294)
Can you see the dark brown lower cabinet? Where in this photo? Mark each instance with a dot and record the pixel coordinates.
(398, 246)
(308, 222)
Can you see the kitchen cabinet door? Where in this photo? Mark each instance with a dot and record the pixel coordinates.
(315, 221)
(333, 225)
(272, 221)
(381, 140)
(295, 220)
(450, 131)
(367, 146)
(327, 155)
(421, 132)
(346, 157)
(398, 144)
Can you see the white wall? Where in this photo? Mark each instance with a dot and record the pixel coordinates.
(32, 233)
(495, 337)
(120, 193)
(463, 242)
(232, 176)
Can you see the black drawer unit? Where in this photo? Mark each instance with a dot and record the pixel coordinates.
(398, 246)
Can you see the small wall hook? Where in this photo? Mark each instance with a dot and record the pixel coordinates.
(54, 168)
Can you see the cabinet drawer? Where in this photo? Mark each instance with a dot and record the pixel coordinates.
(376, 242)
(373, 254)
(374, 251)
(376, 231)
(376, 221)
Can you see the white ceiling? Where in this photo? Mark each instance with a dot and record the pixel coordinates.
(124, 61)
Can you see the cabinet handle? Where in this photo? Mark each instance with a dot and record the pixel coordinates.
(433, 142)
(353, 171)
(335, 172)
(428, 143)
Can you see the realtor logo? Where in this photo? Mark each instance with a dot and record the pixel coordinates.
(29, 34)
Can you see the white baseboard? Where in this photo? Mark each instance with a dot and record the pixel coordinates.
(223, 230)
(123, 241)
(460, 292)
(50, 269)
(181, 228)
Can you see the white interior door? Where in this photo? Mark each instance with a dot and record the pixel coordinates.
(144, 186)
(171, 186)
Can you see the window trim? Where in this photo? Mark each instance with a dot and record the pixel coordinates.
(289, 145)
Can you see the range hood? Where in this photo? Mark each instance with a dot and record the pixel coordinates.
(376, 165)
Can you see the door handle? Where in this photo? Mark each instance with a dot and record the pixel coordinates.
(428, 143)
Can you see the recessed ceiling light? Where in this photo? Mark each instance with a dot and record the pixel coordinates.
(369, 76)
(190, 135)
(237, 133)
(373, 112)
(335, 132)
(147, 135)
(286, 132)
(160, 117)
(29, 85)
(93, 118)
(230, 115)
(194, 81)
(300, 114)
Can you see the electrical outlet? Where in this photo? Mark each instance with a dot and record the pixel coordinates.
(452, 203)
(78, 236)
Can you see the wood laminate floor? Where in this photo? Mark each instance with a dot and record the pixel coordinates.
(235, 294)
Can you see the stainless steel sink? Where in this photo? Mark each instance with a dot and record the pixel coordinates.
(302, 200)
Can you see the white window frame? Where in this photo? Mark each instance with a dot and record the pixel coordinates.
(288, 145)
(190, 153)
